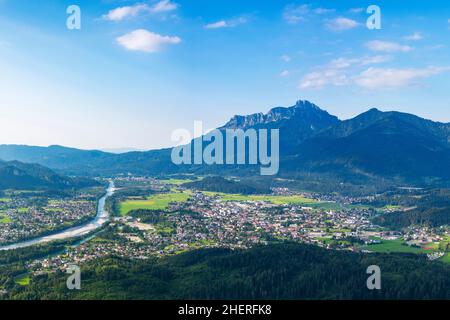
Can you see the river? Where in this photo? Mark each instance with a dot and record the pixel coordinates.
(100, 219)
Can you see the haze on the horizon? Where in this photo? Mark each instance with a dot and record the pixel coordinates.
(137, 70)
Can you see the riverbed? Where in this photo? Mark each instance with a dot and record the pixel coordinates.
(100, 219)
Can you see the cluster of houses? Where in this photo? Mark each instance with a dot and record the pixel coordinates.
(31, 217)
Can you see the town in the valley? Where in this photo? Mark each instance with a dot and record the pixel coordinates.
(30, 214)
(155, 218)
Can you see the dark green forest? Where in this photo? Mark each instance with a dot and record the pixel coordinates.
(279, 271)
(431, 209)
(219, 184)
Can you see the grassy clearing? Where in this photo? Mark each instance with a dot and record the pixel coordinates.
(54, 210)
(5, 219)
(445, 258)
(389, 246)
(23, 280)
(295, 199)
(176, 182)
(154, 202)
(280, 200)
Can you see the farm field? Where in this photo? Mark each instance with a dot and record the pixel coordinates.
(154, 202)
(280, 200)
(5, 219)
(398, 246)
(295, 199)
(176, 182)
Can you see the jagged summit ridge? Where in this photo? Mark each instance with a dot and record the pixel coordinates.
(302, 108)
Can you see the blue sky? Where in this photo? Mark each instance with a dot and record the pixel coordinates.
(137, 70)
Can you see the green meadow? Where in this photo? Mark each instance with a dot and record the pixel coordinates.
(176, 182)
(399, 246)
(294, 199)
(154, 202)
(5, 219)
(23, 280)
(445, 258)
(54, 210)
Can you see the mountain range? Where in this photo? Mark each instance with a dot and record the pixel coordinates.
(25, 176)
(392, 146)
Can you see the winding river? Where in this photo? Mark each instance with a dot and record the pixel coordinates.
(100, 219)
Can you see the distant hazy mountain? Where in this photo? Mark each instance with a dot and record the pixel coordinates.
(55, 157)
(121, 150)
(375, 144)
(18, 175)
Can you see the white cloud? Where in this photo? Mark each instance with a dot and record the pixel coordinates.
(375, 59)
(164, 6)
(324, 10)
(385, 46)
(416, 36)
(294, 14)
(342, 63)
(436, 47)
(285, 58)
(146, 41)
(341, 24)
(217, 25)
(379, 78)
(357, 10)
(331, 74)
(121, 13)
(285, 73)
(338, 72)
(226, 23)
(319, 79)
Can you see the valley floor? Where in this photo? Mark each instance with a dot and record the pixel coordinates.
(159, 219)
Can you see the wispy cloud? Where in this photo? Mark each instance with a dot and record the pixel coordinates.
(146, 41)
(285, 58)
(294, 14)
(226, 23)
(338, 72)
(375, 59)
(164, 6)
(356, 10)
(323, 10)
(322, 78)
(285, 73)
(381, 78)
(416, 36)
(341, 24)
(122, 13)
(436, 47)
(386, 46)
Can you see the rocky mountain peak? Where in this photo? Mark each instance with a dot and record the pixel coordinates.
(302, 108)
